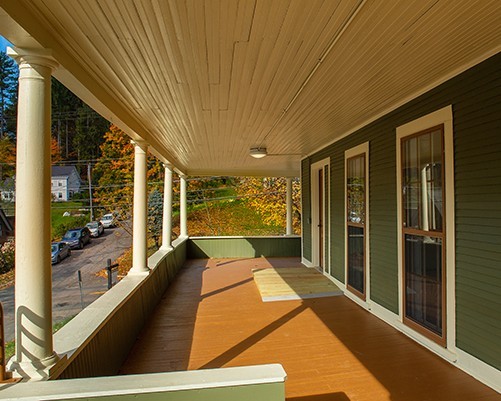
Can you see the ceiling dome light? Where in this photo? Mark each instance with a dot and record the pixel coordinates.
(258, 153)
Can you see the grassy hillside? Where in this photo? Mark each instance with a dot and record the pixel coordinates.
(60, 223)
(231, 217)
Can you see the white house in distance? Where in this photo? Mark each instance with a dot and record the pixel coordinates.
(65, 182)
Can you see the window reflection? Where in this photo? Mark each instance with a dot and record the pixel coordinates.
(423, 211)
(355, 208)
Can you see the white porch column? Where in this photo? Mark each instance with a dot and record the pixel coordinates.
(33, 291)
(140, 211)
(167, 216)
(183, 208)
(289, 230)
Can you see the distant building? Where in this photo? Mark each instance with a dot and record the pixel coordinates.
(65, 182)
(8, 190)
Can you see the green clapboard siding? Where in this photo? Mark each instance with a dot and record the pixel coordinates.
(477, 138)
(476, 99)
(243, 247)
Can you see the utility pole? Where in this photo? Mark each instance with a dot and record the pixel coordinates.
(90, 192)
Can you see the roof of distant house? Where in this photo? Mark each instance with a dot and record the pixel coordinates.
(63, 171)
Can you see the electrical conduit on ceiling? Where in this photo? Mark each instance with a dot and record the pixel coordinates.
(335, 39)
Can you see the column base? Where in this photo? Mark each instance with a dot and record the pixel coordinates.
(138, 272)
(166, 248)
(39, 370)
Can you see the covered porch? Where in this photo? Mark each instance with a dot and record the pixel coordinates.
(213, 317)
(206, 88)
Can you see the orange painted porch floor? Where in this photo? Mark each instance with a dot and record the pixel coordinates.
(212, 316)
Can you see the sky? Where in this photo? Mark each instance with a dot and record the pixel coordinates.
(3, 44)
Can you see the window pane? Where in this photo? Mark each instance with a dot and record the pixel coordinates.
(423, 281)
(410, 179)
(356, 258)
(355, 191)
(422, 181)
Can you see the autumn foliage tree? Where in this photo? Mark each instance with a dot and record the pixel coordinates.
(7, 158)
(55, 151)
(268, 197)
(114, 172)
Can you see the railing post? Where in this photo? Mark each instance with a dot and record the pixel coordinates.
(108, 269)
(80, 286)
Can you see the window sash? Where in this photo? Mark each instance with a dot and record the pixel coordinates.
(423, 232)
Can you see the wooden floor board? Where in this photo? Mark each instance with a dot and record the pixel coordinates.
(212, 316)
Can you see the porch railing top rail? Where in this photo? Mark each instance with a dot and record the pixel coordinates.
(241, 383)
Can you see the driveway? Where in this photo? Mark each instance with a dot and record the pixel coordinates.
(67, 300)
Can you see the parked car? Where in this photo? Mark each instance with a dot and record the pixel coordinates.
(96, 228)
(60, 250)
(77, 237)
(108, 220)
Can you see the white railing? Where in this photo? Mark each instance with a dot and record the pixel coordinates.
(249, 383)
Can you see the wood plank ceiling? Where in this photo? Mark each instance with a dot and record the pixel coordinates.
(204, 81)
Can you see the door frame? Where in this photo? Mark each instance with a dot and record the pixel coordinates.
(363, 299)
(315, 213)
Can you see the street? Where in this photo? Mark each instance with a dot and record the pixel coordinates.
(67, 300)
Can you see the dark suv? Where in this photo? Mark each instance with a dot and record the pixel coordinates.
(77, 237)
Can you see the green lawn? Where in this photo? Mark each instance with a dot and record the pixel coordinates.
(60, 223)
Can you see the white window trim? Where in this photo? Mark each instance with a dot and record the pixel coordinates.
(314, 168)
(442, 116)
(358, 150)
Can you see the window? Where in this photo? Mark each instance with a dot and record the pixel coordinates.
(356, 220)
(60, 195)
(423, 236)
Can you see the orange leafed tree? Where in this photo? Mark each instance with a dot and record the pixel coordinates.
(55, 151)
(114, 172)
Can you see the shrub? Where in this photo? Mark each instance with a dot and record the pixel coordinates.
(7, 257)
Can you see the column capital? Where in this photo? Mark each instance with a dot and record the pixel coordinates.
(169, 167)
(139, 143)
(41, 57)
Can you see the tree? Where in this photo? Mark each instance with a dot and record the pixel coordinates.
(8, 95)
(155, 215)
(268, 196)
(89, 133)
(64, 112)
(7, 158)
(55, 150)
(114, 173)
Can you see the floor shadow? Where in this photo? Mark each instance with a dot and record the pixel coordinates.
(237, 349)
(228, 287)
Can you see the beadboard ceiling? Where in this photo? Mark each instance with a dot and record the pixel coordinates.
(203, 81)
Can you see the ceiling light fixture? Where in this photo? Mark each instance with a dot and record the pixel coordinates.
(258, 153)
